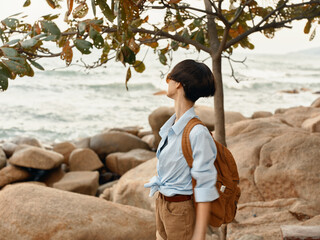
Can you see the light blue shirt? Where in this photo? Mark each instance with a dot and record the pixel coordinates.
(173, 173)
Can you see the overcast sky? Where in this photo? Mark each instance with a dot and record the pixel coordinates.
(285, 40)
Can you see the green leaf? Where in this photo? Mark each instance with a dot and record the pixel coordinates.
(83, 46)
(105, 52)
(50, 38)
(174, 45)
(11, 22)
(9, 52)
(16, 67)
(128, 77)
(163, 59)
(51, 27)
(50, 17)
(27, 3)
(98, 41)
(40, 36)
(82, 27)
(197, 22)
(200, 36)
(107, 12)
(37, 65)
(27, 44)
(313, 34)
(12, 42)
(4, 83)
(139, 66)
(128, 55)
(6, 72)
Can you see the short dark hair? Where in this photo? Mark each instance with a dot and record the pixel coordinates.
(196, 79)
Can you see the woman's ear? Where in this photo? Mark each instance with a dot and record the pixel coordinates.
(178, 84)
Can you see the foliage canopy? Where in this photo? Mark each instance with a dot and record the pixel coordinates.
(120, 27)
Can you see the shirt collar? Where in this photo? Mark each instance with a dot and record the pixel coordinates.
(179, 125)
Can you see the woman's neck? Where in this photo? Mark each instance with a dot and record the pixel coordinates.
(181, 105)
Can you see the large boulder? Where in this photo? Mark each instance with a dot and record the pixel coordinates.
(79, 182)
(10, 174)
(130, 190)
(289, 166)
(264, 218)
(157, 118)
(3, 158)
(316, 103)
(34, 212)
(9, 148)
(206, 114)
(27, 141)
(122, 162)
(84, 159)
(35, 157)
(312, 124)
(261, 114)
(53, 176)
(232, 117)
(275, 160)
(297, 115)
(110, 142)
(245, 140)
(134, 130)
(64, 148)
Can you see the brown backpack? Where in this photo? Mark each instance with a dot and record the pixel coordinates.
(223, 209)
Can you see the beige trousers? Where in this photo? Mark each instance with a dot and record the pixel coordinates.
(174, 220)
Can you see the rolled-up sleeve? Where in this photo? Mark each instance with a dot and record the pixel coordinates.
(203, 170)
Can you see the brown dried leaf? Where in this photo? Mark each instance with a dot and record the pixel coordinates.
(67, 53)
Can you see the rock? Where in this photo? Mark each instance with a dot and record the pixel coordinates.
(130, 190)
(149, 139)
(103, 187)
(10, 174)
(289, 167)
(312, 124)
(3, 158)
(245, 140)
(82, 143)
(206, 115)
(294, 91)
(34, 157)
(106, 177)
(262, 219)
(84, 159)
(250, 237)
(64, 148)
(157, 118)
(316, 103)
(34, 212)
(294, 232)
(79, 182)
(122, 162)
(280, 110)
(9, 148)
(106, 143)
(143, 133)
(132, 130)
(297, 115)
(232, 117)
(27, 141)
(304, 210)
(53, 176)
(261, 114)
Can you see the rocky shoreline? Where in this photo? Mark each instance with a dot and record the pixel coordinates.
(92, 188)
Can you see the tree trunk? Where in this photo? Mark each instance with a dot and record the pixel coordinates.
(219, 121)
(216, 70)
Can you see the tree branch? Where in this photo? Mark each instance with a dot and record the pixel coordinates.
(175, 37)
(240, 12)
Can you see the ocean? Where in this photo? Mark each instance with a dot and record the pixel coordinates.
(67, 103)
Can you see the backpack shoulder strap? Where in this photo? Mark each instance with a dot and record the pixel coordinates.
(185, 142)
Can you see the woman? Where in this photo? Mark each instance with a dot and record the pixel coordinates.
(176, 218)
